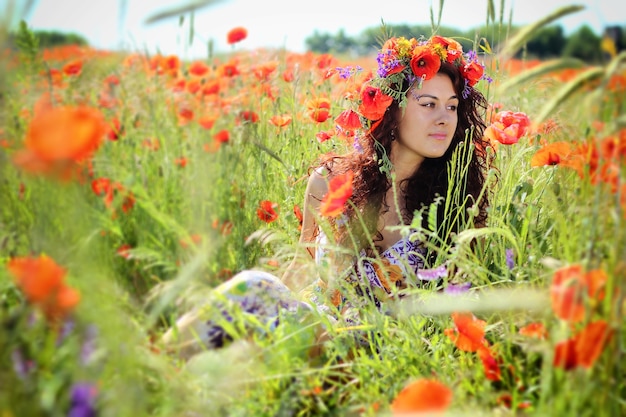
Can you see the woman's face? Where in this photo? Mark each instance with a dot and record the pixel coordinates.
(429, 120)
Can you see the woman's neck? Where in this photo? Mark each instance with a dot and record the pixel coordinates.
(404, 166)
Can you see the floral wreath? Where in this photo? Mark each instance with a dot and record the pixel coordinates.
(414, 60)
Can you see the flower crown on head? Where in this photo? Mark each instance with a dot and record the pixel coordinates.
(419, 60)
(401, 59)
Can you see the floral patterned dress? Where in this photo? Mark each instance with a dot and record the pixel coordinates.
(264, 299)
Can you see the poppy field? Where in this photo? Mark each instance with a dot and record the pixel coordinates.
(133, 183)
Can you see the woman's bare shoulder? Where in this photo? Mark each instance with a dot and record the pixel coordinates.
(318, 182)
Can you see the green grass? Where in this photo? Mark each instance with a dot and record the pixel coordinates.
(549, 216)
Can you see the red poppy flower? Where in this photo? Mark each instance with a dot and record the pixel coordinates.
(65, 133)
(585, 160)
(207, 122)
(323, 136)
(453, 49)
(55, 77)
(211, 87)
(584, 348)
(229, 69)
(236, 35)
(339, 192)
(181, 162)
(469, 332)
(472, 72)
(319, 109)
(374, 102)
(536, 330)
(266, 211)
(507, 127)
(193, 86)
(570, 286)
(422, 395)
(151, 143)
(223, 136)
(198, 68)
(129, 202)
(115, 129)
(324, 61)
(348, 120)
(37, 277)
(123, 251)
(425, 62)
(73, 68)
(249, 116)
(103, 187)
(171, 64)
(551, 154)
(185, 115)
(565, 354)
(490, 364)
(263, 71)
(111, 80)
(298, 213)
(288, 75)
(280, 120)
(42, 282)
(507, 401)
(590, 342)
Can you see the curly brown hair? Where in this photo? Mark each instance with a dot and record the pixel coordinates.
(370, 184)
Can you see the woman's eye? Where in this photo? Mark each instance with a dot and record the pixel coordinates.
(453, 108)
(428, 105)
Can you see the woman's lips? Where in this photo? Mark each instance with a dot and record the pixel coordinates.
(439, 136)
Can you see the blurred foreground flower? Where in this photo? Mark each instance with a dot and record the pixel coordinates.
(536, 330)
(83, 400)
(468, 335)
(422, 396)
(59, 137)
(584, 348)
(42, 282)
(572, 289)
(339, 192)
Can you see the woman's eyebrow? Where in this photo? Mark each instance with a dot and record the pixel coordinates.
(453, 97)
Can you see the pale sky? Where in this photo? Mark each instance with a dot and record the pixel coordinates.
(283, 23)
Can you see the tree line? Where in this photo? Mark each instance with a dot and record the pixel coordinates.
(547, 42)
(52, 38)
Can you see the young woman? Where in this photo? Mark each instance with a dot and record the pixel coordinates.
(410, 123)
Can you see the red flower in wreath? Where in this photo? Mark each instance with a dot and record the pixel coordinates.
(425, 62)
(374, 102)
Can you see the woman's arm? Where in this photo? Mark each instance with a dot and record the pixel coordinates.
(295, 277)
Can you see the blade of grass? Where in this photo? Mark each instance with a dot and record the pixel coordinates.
(566, 91)
(178, 10)
(538, 71)
(515, 43)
